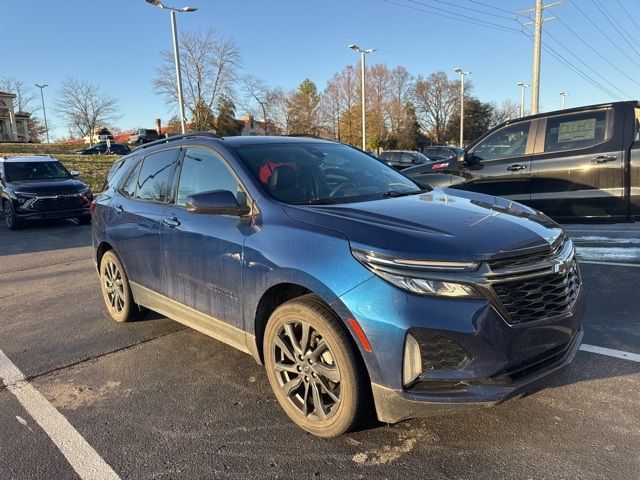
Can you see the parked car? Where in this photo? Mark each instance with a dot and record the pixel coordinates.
(339, 274)
(571, 164)
(401, 159)
(103, 148)
(40, 187)
(143, 135)
(437, 152)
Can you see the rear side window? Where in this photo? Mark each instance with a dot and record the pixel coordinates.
(637, 124)
(204, 171)
(155, 180)
(571, 132)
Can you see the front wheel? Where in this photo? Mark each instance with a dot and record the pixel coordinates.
(10, 218)
(313, 368)
(116, 290)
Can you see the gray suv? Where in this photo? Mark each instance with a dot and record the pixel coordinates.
(143, 135)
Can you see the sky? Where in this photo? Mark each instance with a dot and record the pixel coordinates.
(116, 44)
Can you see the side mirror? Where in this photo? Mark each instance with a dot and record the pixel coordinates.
(216, 202)
(74, 173)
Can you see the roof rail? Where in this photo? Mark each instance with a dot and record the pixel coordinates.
(177, 137)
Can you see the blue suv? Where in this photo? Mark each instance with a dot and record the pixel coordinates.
(356, 288)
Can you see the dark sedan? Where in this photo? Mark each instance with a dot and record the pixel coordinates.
(104, 149)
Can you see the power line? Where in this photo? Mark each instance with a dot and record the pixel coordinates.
(612, 64)
(631, 59)
(491, 6)
(484, 12)
(457, 14)
(629, 16)
(623, 33)
(570, 66)
(477, 22)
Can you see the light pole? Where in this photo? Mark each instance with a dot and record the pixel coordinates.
(176, 53)
(462, 75)
(44, 112)
(564, 99)
(523, 86)
(362, 86)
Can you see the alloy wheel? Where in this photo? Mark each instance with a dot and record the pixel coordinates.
(113, 286)
(307, 370)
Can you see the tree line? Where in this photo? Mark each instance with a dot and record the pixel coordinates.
(403, 111)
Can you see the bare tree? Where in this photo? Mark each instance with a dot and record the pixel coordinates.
(261, 102)
(505, 111)
(25, 96)
(209, 69)
(436, 99)
(400, 91)
(84, 107)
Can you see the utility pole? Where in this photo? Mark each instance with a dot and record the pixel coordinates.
(462, 75)
(564, 99)
(537, 22)
(523, 86)
(44, 112)
(363, 72)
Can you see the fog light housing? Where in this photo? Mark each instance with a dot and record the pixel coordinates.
(412, 362)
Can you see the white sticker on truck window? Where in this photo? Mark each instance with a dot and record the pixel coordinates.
(577, 130)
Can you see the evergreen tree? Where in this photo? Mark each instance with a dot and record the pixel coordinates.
(227, 124)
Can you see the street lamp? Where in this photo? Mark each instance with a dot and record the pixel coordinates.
(362, 75)
(462, 75)
(44, 112)
(176, 52)
(564, 99)
(523, 86)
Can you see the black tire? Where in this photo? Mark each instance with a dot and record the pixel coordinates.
(84, 220)
(321, 386)
(116, 291)
(10, 219)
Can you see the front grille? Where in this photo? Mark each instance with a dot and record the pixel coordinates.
(439, 352)
(553, 251)
(60, 203)
(539, 297)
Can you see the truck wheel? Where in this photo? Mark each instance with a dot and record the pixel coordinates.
(313, 367)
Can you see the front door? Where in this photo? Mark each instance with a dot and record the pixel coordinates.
(203, 253)
(578, 166)
(499, 164)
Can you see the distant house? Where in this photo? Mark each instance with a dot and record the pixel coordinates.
(14, 127)
(252, 126)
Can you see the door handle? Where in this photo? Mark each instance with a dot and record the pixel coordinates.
(516, 167)
(171, 222)
(605, 159)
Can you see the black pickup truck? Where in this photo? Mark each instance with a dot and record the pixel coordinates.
(575, 163)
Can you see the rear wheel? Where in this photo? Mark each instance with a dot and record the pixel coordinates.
(313, 367)
(10, 218)
(116, 290)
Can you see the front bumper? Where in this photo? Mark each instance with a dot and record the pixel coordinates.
(41, 215)
(395, 406)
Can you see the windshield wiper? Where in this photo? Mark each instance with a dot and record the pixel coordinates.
(397, 193)
(316, 201)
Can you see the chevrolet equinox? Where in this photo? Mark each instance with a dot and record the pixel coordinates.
(357, 289)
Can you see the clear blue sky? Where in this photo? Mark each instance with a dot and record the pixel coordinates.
(117, 45)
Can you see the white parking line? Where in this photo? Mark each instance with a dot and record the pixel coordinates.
(80, 455)
(634, 357)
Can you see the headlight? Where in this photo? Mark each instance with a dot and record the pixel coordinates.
(414, 275)
(87, 194)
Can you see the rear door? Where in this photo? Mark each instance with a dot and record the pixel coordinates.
(577, 169)
(499, 164)
(136, 211)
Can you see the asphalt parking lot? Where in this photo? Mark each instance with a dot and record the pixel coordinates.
(153, 399)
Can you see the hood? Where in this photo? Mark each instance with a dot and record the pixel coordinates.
(49, 187)
(442, 224)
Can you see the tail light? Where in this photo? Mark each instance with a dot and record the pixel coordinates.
(92, 207)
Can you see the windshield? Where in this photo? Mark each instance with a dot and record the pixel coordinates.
(20, 171)
(317, 173)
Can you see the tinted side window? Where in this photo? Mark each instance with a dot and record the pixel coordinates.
(204, 171)
(508, 142)
(570, 132)
(129, 187)
(406, 158)
(156, 176)
(637, 124)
